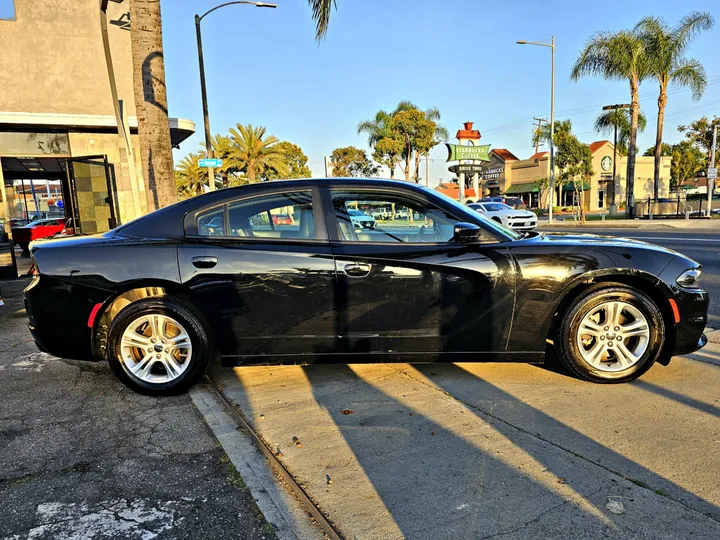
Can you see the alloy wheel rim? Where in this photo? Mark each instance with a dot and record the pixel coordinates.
(155, 349)
(613, 336)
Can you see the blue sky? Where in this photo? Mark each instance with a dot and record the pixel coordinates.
(265, 68)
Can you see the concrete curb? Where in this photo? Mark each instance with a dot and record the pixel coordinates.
(277, 504)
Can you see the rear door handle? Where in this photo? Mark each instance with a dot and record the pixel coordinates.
(204, 262)
(357, 269)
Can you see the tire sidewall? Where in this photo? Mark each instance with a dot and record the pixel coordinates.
(202, 345)
(570, 353)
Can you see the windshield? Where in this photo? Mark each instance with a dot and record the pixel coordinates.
(355, 213)
(496, 207)
(474, 217)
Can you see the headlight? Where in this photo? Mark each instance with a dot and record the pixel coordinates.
(690, 279)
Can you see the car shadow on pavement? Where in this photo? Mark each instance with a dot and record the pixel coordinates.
(686, 400)
(440, 471)
(487, 400)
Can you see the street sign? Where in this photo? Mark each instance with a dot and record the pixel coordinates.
(461, 153)
(210, 162)
(465, 169)
(712, 173)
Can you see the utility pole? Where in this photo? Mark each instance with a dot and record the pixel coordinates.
(613, 203)
(536, 131)
(711, 181)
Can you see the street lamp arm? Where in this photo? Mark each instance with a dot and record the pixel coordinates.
(257, 4)
(523, 42)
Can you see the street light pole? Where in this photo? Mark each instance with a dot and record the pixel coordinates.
(209, 152)
(552, 120)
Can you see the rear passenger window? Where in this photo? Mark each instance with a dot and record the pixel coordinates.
(278, 215)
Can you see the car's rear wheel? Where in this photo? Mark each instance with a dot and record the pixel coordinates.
(610, 334)
(159, 346)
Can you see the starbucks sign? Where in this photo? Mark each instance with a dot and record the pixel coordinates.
(462, 153)
(606, 163)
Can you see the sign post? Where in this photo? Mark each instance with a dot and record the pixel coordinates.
(713, 169)
(471, 152)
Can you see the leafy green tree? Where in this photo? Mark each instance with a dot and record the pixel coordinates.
(688, 161)
(700, 133)
(295, 163)
(665, 150)
(619, 56)
(350, 161)
(542, 134)
(190, 177)
(252, 151)
(574, 160)
(403, 137)
(607, 120)
(665, 48)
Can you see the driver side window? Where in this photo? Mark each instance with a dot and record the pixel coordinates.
(379, 217)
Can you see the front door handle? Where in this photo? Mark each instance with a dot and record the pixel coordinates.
(357, 269)
(204, 262)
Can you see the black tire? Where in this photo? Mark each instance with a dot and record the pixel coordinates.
(497, 219)
(565, 339)
(203, 346)
(25, 247)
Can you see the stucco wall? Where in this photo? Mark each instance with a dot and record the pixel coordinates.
(52, 60)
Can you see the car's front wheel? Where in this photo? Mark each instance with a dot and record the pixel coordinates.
(159, 346)
(610, 334)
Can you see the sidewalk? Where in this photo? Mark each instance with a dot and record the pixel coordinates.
(81, 456)
(634, 223)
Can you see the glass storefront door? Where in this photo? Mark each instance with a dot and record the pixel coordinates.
(93, 197)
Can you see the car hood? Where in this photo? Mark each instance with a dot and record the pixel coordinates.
(596, 240)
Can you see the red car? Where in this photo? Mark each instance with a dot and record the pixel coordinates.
(282, 219)
(40, 228)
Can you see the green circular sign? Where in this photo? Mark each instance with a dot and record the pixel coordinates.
(606, 163)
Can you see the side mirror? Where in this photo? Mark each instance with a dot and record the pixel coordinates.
(466, 233)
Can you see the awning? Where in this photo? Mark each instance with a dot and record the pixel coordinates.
(571, 187)
(521, 188)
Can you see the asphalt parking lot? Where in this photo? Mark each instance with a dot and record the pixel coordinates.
(82, 457)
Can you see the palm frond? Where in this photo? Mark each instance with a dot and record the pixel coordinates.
(689, 73)
(321, 15)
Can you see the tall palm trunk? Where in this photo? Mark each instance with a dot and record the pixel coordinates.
(662, 102)
(251, 171)
(632, 145)
(151, 103)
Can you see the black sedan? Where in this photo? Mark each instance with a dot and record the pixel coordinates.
(218, 276)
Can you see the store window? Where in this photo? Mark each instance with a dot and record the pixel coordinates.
(19, 143)
(7, 10)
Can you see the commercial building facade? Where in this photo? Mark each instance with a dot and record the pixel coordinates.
(505, 174)
(57, 121)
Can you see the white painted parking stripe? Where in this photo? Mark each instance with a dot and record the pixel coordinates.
(666, 238)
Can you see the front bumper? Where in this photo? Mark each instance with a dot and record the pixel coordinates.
(689, 332)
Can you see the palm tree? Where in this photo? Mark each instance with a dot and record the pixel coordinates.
(251, 151)
(151, 102)
(666, 47)
(221, 145)
(190, 177)
(377, 129)
(619, 56)
(609, 120)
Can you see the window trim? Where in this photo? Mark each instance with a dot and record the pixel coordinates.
(191, 229)
(334, 229)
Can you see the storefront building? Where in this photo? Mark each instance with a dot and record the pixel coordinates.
(505, 174)
(59, 139)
